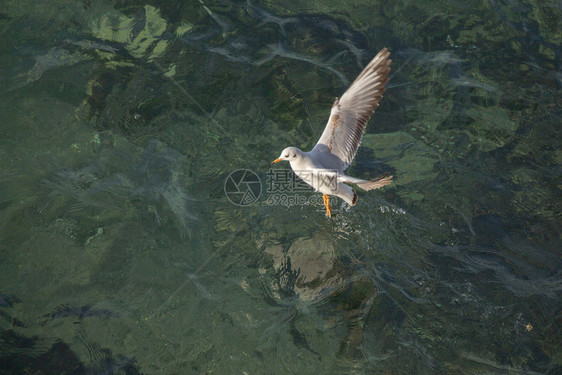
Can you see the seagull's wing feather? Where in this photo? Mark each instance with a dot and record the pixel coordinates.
(350, 114)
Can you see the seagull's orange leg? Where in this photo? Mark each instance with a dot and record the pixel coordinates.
(326, 199)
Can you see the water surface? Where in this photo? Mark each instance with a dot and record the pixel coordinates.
(121, 253)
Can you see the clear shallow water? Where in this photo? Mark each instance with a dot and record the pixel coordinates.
(121, 252)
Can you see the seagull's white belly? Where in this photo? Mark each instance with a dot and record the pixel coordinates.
(324, 181)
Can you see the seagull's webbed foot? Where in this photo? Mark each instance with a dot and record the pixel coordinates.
(326, 199)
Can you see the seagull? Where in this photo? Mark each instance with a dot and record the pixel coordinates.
(323, 166)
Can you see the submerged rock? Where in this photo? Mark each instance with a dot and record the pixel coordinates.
(141, 34)
(307, 269)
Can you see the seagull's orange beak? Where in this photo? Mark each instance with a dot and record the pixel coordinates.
(276, 161)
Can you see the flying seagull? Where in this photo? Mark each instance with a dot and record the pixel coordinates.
(323, 166)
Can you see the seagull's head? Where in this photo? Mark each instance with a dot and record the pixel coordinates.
(288, 154)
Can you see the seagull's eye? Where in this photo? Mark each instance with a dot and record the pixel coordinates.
(294, 155)
(286, 156)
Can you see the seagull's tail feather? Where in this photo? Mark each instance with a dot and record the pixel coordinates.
(378, 182)
(347, 194)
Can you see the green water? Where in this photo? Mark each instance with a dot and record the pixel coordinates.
(122, 252)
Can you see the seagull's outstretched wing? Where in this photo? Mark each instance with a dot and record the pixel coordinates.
(350, 114)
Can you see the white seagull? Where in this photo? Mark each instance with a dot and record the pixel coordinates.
(323, 166)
